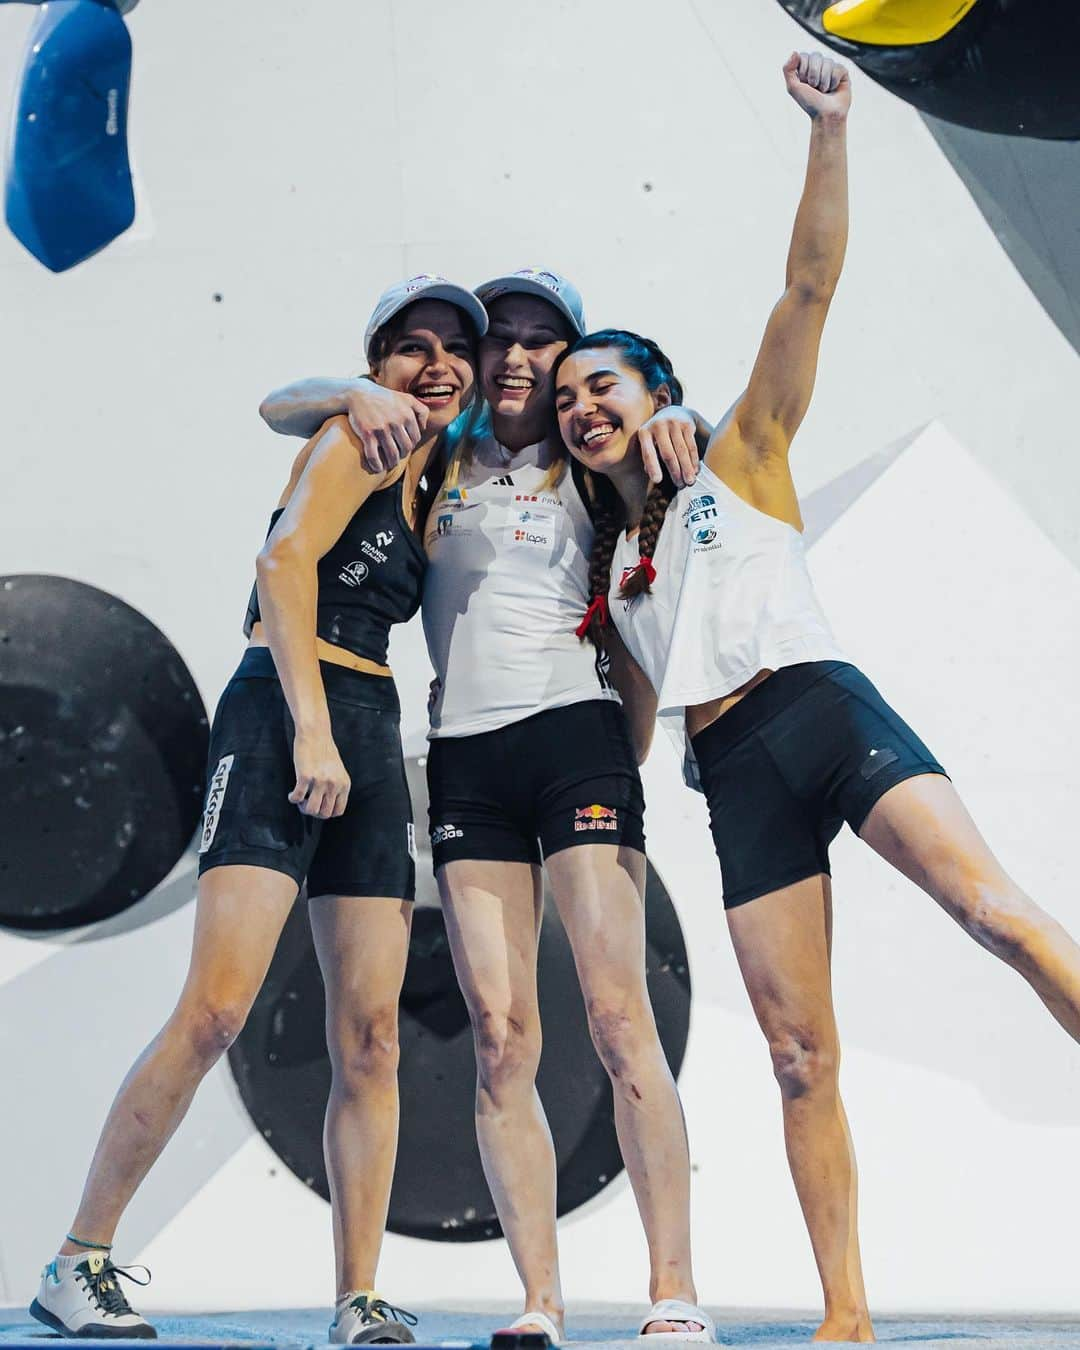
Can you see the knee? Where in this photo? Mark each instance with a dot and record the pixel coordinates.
(507, 1049)
(805, 1064)
(364, 1050)
(616, 1028)
(211, 1026)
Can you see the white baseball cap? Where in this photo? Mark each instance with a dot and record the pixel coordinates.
(427, 286)
(549, 286)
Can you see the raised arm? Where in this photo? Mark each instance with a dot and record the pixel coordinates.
(329, 492)
(387, 424)
(765, 419)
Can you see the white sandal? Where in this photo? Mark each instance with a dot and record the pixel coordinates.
(530, 1319)
(675, 1310)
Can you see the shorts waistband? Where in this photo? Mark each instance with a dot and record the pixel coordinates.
(762, 704)
(357, 687)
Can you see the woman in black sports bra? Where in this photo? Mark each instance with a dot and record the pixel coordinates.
(306, 780)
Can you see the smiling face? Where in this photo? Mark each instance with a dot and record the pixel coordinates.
(602, 403)
(525, 338)
(428, 350)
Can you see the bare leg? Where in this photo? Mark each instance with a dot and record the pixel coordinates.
(240, 914)
(783, 945)
(493, 912)
(922, 827)
(362, 945)
(599, 889)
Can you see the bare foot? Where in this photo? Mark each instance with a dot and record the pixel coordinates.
(651, 1328)
(846, 1327)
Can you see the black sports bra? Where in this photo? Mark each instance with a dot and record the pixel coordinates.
(369, 579)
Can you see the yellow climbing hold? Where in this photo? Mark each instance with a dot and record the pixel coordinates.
(894, 23)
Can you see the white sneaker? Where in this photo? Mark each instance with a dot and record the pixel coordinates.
(367, 1319)
(80, 1296)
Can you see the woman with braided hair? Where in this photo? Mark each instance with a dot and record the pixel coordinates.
(708, 588)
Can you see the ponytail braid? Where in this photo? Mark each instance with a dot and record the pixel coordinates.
(653, 365)
(639, 580)
(607, 517)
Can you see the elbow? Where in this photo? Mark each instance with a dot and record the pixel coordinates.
(267, 411)
(273, 559)
(643, 743)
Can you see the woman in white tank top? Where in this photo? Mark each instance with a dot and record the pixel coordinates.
(708, 588)
(530, 753)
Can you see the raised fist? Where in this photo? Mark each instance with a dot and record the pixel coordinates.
(818, 84)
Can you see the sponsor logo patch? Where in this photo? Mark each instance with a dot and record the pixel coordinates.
(424, 279)
(596, 818)
(699, 510)
(215, 795)
(354, 573)
(441, 833)
(443, 524)
(532, 524)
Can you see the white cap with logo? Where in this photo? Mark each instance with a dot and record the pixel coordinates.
(427, 286)
(549, 286)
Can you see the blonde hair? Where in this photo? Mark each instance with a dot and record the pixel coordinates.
(463, 436)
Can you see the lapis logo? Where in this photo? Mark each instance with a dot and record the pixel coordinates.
(704, 536)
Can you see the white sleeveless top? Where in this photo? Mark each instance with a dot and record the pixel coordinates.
(507, 584)
(732, 596)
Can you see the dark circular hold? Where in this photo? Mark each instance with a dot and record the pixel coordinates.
(103, 739)
(1008, 66)
(281, 1067)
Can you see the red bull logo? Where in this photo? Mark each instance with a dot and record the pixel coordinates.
(596, 818)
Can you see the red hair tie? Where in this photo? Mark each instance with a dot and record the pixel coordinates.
(597, 607)
(646, 565)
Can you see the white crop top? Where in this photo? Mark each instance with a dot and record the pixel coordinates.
(506, 586)
(732, 596)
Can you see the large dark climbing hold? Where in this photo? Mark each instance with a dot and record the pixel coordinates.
(1005, 66)
(103, 739)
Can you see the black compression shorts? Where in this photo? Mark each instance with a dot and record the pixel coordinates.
(563, 777)
(812, 746)
(248, 819)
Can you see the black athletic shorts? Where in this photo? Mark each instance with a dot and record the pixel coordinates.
(248, 818)
(562, 777)
(808, 748)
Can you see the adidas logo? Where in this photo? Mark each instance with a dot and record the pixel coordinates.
(504, 482)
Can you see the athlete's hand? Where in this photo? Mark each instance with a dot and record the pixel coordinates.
(670, 436)
(322, 784)
(388, 423)
(433, 694)
(818, 84)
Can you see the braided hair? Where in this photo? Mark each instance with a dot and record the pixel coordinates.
(606, 508)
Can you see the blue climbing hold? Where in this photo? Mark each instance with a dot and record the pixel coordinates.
(68, 189)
